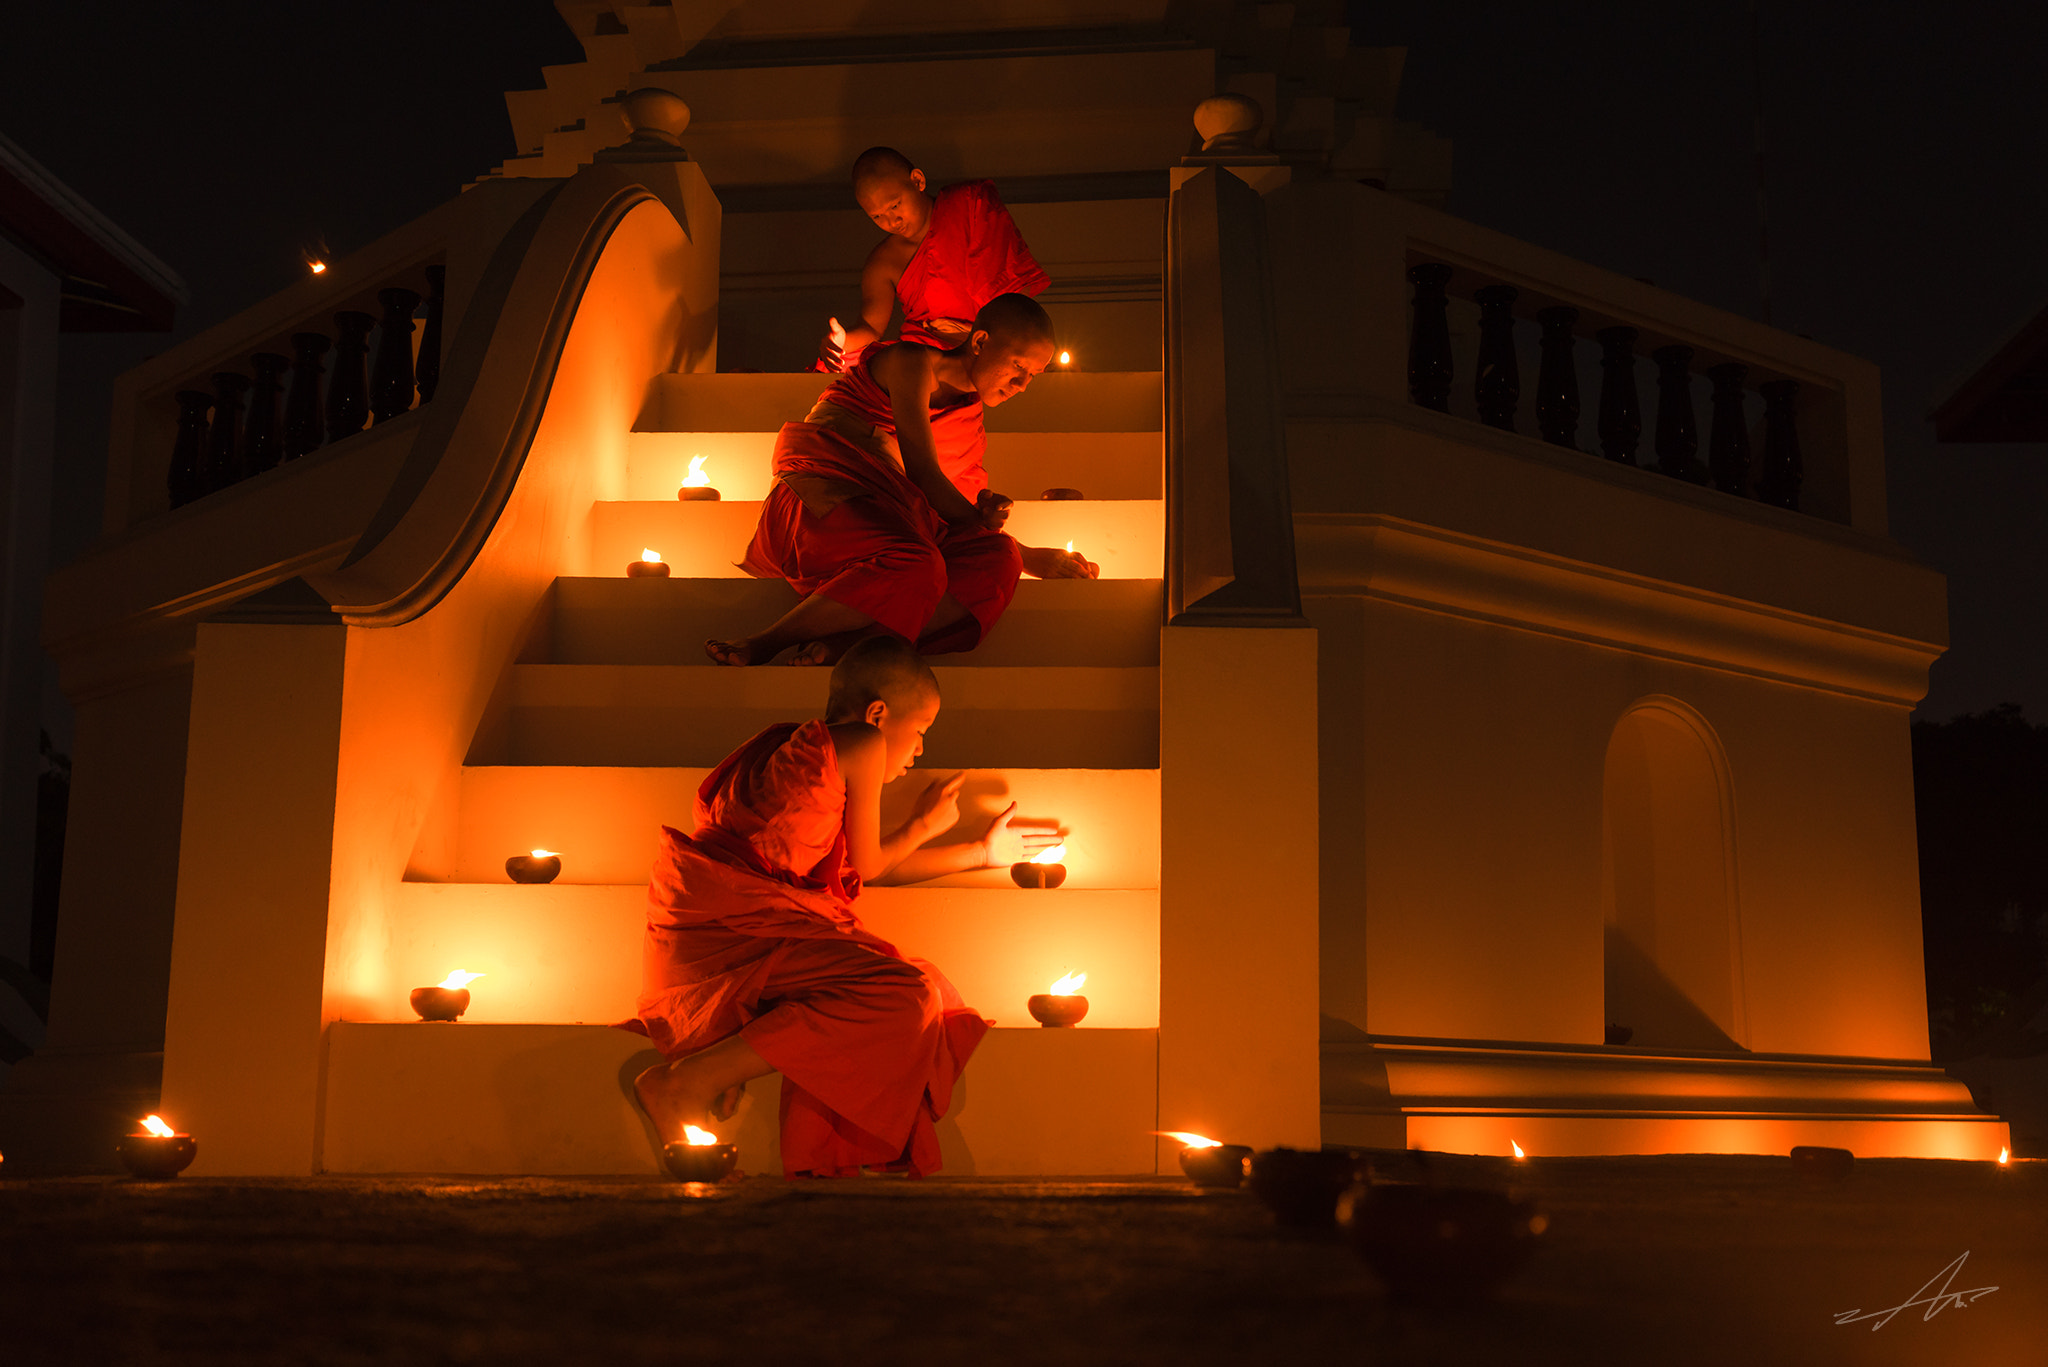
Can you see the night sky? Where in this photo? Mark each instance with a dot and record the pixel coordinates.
(1905, 199)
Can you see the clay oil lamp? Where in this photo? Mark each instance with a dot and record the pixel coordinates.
(696, 487)
(1816, 1164)
(1062, 1005)
(1061, 494)
(698, 1156)
(1439, 1244)
(1301, 1186)
(447, 1000)
(1042, 870)
(539, 866)
(157, 1152)
(1210, 1162)
(649, 566)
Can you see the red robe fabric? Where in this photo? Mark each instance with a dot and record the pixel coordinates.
(971, 253)
(844, 520)
(751, 930)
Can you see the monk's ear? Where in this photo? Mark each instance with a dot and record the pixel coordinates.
(917, 179)
(977, 343)
(875, 713)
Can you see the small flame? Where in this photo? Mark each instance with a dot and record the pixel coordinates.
(1517, 1148)
(696, 479)
(459, 979)
(155, 1125)
(1192, 1141)
(1070, 548)
(651, 557)
(544, 854)
(2004, 1156)
(1051, 854)
(1069, 985)
(1066, 358)
(317, 267)
(698, 1138)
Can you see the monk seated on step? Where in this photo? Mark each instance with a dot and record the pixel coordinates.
(881, 515)
(944, 257)
(756, 962)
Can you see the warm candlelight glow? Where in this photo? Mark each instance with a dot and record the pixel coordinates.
(1192, 1141)
(1070, 548)
(1068, 986)
(544, 854)
(698, 1138)
(2004, 1156)
(696, 479)
(1066, 358)
(317, 267)
(1051, 854)
(155, 1125)
(458, 979)
(1517, 1148)
(650, 557)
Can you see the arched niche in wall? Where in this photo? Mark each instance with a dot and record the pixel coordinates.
(1669, 901)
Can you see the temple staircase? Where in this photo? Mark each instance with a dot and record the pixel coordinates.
(601, 730)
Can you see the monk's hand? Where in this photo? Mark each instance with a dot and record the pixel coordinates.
(1047, 562)
(938, 806)
(1007, 844)
(992, 508)
(832, 351)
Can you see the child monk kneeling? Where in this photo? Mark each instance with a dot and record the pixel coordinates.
(756, 961)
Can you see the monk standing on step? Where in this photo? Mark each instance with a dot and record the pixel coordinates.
(944, 257)
(881, 514)
(756, 963)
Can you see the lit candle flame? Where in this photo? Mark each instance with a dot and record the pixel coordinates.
(1192, 1141)
(696, 479)
(698, 1138)
(651, 557)
(2004, 1156)
(1051, 854)
(1069, 985)
(544, 854)
(1066, 358)
(155, 1125)
(1070, 548)
(1517, 1148)
(459, 979)
(317, 267)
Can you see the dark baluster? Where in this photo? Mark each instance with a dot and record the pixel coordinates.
(1498, 387)
(1778, 483)
(1678, 436)
(187, 478)
(1557, 380)
(1728, 443)
(261, 448)
(429, 364)
(302, 431)
(223, 459)
(391, 386)
(1429, 344)
(1621, 411)
(348, 393)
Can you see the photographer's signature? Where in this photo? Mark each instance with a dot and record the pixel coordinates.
(1936, 1301)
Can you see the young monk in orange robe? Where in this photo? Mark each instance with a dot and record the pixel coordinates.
(944, 257)
(881, 514)
(755, 959)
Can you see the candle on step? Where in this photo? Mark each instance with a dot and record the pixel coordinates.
(541, 866)
(1066, 358)
(698, 1156)
(696, 487)
(157, 1152)
(649, 566)
(1062, 1005)
(447, 1000)
(1042, 870)
(1210, 1162)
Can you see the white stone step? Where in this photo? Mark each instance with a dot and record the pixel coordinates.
(606, 821)
(570, 953)
(1108, 623)
(1061, 402)
(666, 715)
(1126, 538)
(553, 1100)
(1102, 465)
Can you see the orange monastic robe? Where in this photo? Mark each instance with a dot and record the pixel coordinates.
(751, 930)
(845, 521)
(971, 253)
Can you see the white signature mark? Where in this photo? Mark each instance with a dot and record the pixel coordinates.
(1936, 1302)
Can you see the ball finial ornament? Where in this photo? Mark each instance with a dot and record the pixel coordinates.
(1228, 121)
(652, 114)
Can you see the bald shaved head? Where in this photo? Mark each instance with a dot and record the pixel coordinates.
(1015, 320)
(884, 667)
(878, 163)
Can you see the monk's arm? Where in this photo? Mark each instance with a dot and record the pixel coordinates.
(906, 372)
(1002, 845)
(861, 760)
(877, 298)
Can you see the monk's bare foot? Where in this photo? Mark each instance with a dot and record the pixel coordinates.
(813, 653)
(743, 652)
(671, 1102)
